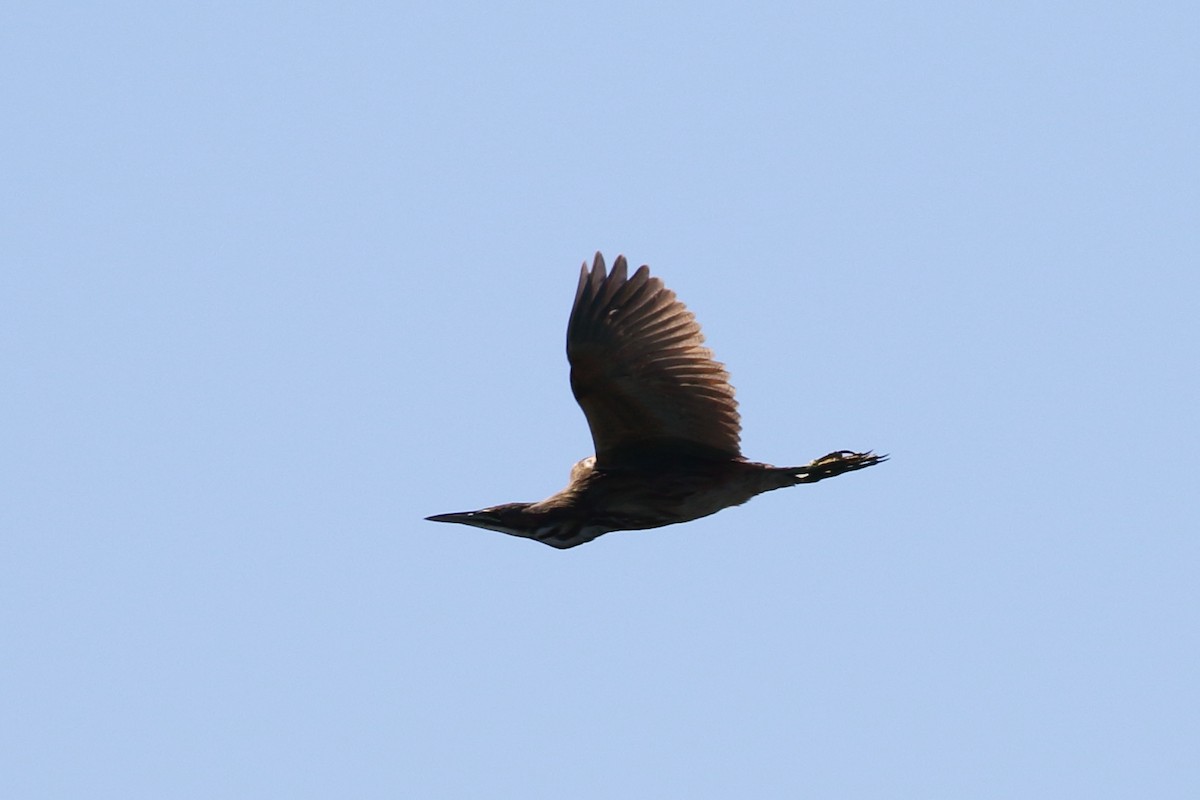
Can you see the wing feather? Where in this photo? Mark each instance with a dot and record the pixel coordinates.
(640, 372)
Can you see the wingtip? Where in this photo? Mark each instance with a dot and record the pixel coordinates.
(619, 270)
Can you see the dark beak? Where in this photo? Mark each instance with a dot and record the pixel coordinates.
(483, 518)
(461, 516)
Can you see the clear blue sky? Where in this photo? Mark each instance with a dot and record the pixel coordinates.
(279, 280)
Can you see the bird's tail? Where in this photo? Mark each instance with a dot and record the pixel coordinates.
(831, 466)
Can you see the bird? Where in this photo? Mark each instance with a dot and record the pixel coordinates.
(663, 420)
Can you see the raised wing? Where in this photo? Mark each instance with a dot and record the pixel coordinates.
(648, 386)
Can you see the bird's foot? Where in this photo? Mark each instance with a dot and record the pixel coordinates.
(837, 463)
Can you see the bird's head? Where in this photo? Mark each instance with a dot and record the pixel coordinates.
(555, 524)
(510, 518)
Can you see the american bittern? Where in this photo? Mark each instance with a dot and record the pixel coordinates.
(663, 420)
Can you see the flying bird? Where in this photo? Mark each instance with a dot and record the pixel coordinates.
(663, 420)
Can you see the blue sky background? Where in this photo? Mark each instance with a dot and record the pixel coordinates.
(279, 280)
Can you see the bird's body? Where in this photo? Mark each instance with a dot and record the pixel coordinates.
(662, 417)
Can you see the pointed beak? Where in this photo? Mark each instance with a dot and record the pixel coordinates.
(476, 518)
(449, 517)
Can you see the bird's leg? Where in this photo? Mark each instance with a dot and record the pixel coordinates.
(836, 463)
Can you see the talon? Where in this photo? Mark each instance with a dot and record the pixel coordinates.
(847, 461)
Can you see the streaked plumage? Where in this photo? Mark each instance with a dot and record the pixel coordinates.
(663, 419)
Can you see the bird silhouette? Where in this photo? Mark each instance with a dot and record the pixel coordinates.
(663, 418)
